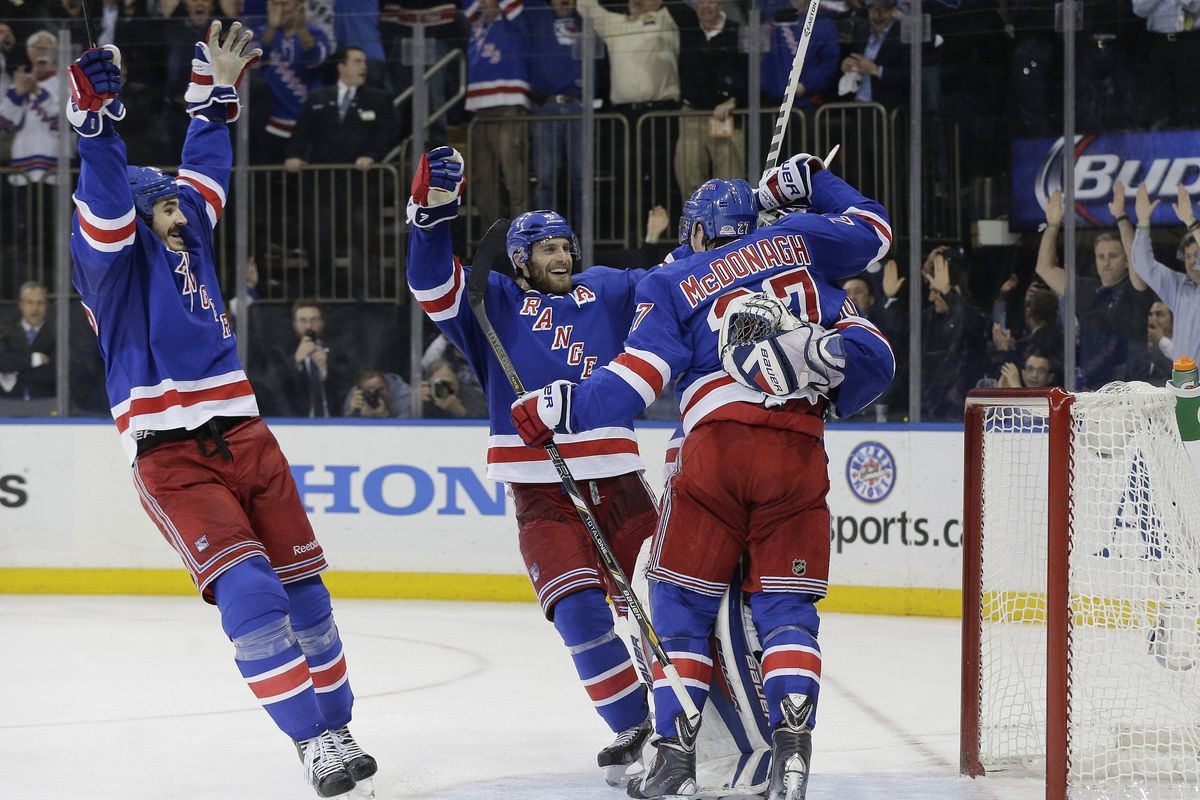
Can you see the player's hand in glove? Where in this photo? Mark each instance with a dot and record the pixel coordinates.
(789, 183)
(95, 79)
(217, 70)
(436, 187)
(541, 414)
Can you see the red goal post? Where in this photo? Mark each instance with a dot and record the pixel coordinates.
(1081, 593)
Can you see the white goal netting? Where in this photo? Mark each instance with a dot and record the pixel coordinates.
(1134, 581)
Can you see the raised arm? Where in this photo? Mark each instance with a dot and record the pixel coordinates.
(1047, 260)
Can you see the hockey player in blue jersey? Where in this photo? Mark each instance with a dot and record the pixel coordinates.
(555, 325)
(208, 471)
(764, 345)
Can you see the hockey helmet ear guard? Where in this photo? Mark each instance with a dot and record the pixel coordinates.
(536, 226)
(722, 208)
(149, 185)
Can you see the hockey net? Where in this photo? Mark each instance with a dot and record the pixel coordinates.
(1081, 601)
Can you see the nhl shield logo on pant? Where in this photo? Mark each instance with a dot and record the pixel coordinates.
(799, 567)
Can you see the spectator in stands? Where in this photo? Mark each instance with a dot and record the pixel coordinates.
(1043, 333)
(356, 26)
(1180, 291)
(7, 42)
(1038, 372)
(181, 32)
(439, 392)
(953, 331)
(27, 349)
(68, 14)
(293, 51)
(1112, 312)
(468, 391)
(312, 380)
(1157, 363)
(821, 64)
(346, 122)
(876, 71)
(499, 94)
(712, 77)
(643, 57)
(444, 31)
(22, 18)
(379, 394)
(1174, 27)
(888, 315)
(557, 81)
(30, 110)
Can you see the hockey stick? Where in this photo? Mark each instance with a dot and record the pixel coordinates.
(87, 24)
(490, 251)
(789, 95)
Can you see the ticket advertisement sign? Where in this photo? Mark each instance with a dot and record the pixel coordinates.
(1161, 161)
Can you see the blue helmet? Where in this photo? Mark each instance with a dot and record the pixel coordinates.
(149, 184)
(535, 226)
(723, 208)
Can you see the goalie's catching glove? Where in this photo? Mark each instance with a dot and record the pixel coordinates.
(764, 348)
(437, 187)
(789, 183)
(539, 415)
(217, 71)
(95, 79)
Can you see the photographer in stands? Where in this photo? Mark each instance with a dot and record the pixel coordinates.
(379, 395)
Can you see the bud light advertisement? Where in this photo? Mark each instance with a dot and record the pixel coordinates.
(1160, 160)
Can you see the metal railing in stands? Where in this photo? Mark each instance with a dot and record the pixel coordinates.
(866, 155)
(942, 190)
(663, 180)
(329, 231)
(612, 188)
(27, 232)
(400, 152)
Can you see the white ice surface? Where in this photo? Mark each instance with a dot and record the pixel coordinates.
(129, 698)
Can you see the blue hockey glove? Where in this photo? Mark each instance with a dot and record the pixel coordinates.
(95, 79)
(539, 415)
(436, 188)
(789, 183)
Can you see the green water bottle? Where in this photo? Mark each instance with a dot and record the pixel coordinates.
(1185, 383)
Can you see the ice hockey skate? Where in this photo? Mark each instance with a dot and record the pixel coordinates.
(361, 766)
(673, 772)
(323, 766)
(791, 750)
(626, 750)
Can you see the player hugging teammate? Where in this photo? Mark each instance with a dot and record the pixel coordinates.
(764, 346)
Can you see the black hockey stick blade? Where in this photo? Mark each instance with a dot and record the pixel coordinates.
(489, 257)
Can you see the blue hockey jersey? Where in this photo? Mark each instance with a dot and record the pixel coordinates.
(548, 338)
(679, 306)
(170, 358)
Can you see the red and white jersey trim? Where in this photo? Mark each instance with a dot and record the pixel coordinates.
(210, 191)
(442, 302)
(182, 404)
(610, 686)
(882, 229)
(486, 94)
(645, 372)
(279, 684)
(106, 235)
(595, 453)
(791, 659)
(852, 319)
(330, 675)
(706, 394)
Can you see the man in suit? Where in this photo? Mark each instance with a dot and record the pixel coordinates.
(27, 370)
(877, 67)
(344, 122)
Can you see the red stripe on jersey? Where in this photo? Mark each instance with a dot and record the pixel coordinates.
(174, 397)
(279, 684)
(212, 198)
(445, 301)
(613, 685)
(792, 659)
(512, 89)
(700, 394)
(686, 667)
(324, 677)
(883, 229)
(599, 447)
(643, 369)
(106, 235)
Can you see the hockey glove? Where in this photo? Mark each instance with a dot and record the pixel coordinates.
(539, 415)
(217, 71)
(789, 183)
(436, 188)
(95, 79)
